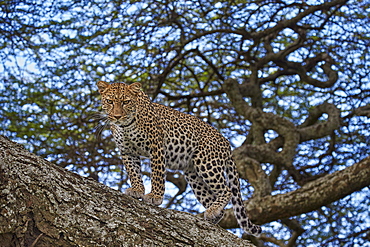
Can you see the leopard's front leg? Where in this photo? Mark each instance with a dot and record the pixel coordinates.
(133, 168)
(157, 176)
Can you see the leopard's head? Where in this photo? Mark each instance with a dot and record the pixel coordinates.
(119, 101)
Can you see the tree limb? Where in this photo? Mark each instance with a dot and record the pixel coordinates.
(309, 197)
(45, 205)
(312, 129)
(289, 134)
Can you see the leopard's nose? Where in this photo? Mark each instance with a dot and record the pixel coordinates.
(117, 117)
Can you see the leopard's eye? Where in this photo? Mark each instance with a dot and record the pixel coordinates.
(109, 101)
(125, 102)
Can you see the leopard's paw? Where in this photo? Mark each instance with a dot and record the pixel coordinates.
(153, 199)
(213, 215)
(134, 193)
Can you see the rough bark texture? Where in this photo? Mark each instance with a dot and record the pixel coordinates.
(44, 205)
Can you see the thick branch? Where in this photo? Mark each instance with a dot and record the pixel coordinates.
(362, 111)
(309, 197)
(251, 169)
(291, 68)
(265, 120)
(289, 135)
(45, 205)
(312, 129)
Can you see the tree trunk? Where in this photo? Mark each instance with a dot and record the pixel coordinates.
(44, 205)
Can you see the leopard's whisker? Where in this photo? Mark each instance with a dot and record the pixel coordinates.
(99, 130)
(96, 116)
(103, 123)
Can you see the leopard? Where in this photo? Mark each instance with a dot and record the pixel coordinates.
(176, 141)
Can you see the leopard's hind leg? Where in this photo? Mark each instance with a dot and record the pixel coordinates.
(212, 176)
(201, 191)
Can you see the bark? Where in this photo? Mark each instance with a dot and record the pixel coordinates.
(45, 205)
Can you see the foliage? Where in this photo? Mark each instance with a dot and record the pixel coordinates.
(289, 58)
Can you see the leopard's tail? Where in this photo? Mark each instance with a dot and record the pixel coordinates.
(238, 205)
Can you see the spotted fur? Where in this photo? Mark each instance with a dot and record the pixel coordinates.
(177, 141)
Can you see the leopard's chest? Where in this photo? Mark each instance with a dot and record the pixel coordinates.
(131, 141)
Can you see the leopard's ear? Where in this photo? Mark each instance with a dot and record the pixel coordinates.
(135, 88)
(102, 85)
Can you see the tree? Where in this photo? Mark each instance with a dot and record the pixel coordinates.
(44, 205)
(286, 82)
